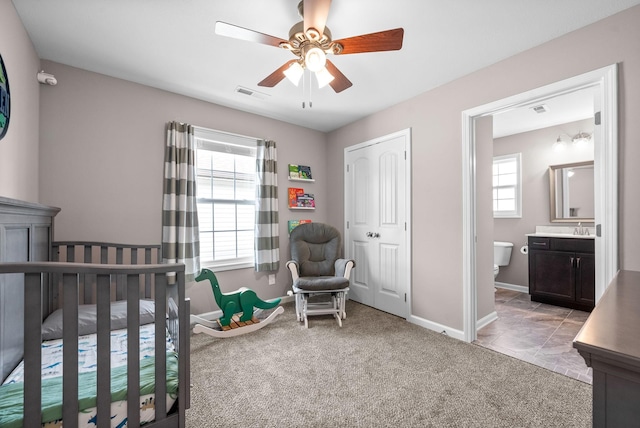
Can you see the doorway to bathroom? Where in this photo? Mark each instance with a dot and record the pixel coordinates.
(604, 82)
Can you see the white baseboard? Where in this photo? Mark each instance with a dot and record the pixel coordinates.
(507, 286)
(484, 321)
(214, 315)
(439, 328)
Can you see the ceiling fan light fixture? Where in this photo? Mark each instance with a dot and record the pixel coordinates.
(315, 59)
(324, 77)
(294, 73)
(313, 34)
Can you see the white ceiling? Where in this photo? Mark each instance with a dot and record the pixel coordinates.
(565, 108)
(171, 45)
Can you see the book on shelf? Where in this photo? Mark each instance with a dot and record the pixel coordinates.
(295, 223)
(305, 172)
(299, 199)
(302, 172)
(294, 192)
(306, 200)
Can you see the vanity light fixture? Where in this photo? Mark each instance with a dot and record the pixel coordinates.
(559, 145)
(581, 139)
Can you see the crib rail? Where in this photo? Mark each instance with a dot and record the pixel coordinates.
(102, 253)
(73, 276)
(105, 252)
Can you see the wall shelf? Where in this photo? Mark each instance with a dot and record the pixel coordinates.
(311, 180)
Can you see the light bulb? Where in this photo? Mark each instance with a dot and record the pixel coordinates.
(294, 73)
(324, 77)
(315, 59)
(581, 139)
(559, 145)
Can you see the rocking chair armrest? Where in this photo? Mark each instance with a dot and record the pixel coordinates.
(292, 265)
(343, 267)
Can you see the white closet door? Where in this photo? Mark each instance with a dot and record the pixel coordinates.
(376, 192)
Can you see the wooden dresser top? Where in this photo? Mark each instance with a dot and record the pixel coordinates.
(612, 331)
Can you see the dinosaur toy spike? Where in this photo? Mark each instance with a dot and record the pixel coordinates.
(239, 301)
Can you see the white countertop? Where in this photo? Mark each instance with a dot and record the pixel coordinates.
(560, 235)
(562, 232)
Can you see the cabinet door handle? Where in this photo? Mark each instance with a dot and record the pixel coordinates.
(578, 263)
(572, 260)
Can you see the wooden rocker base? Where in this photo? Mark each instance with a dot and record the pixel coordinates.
(236, 328)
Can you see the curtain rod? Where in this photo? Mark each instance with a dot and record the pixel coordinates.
(202, 128)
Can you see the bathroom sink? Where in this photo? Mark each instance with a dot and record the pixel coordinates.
(562, 235)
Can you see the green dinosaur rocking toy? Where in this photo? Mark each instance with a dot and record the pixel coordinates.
(242, 301)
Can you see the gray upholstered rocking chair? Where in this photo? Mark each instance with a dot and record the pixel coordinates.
(317, 269)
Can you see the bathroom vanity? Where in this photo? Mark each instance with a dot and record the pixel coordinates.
(562, 270)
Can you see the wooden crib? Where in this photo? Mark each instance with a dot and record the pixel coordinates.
(100, 279)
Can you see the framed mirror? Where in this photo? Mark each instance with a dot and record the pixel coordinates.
(571, 191)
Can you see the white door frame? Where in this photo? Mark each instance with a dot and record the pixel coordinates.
(408, 198)
(605, 82)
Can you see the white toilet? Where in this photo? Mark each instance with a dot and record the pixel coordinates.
(501, 255)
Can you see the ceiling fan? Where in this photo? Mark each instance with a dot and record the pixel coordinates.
(310, 41)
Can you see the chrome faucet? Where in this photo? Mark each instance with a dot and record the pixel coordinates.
(581, 230)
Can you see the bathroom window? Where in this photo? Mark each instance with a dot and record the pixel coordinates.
(507, 186)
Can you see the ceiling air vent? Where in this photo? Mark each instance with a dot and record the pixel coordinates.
(250, 92)
(542, 108)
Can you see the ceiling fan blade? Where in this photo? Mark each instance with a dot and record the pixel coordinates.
(340, 81)
(390, 40)
(276, 77)
(230, 30)
(315, 14)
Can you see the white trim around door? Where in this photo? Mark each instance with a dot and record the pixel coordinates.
(406, 265)
(604, 80)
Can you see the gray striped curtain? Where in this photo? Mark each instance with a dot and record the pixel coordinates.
(180, 234)
(267, 245)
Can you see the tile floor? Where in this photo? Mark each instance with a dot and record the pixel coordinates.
(537, 333)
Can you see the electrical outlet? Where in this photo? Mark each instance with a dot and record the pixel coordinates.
(272, 279)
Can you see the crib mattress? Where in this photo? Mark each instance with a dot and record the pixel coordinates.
(11, 390)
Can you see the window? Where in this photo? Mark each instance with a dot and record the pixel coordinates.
(225, 193)
(507, 186)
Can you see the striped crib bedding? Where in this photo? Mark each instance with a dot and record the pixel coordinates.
(11, 401)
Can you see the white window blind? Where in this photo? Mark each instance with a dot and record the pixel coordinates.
(507, 186)
(225, 192)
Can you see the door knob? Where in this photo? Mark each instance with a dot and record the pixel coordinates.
(376, 235)
(369, 234)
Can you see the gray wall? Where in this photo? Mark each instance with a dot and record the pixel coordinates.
(101, 138)
(537, 155)
(102, 151)
(19, 147)
(435, 120)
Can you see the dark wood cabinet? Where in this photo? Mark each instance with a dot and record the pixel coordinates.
(562, 271)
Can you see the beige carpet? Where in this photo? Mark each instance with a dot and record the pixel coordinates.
(375, 371)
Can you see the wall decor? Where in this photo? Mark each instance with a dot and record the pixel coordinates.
(5, 100)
